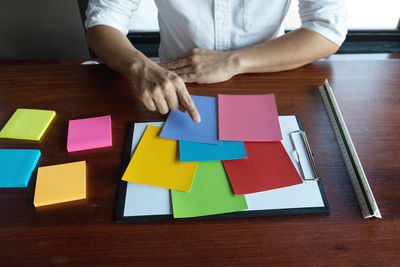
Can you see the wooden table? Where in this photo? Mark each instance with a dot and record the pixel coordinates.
(84, 233)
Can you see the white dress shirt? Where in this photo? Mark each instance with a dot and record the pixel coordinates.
(221, 24)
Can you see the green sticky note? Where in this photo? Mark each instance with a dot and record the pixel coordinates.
(210, 193)
(28, 124)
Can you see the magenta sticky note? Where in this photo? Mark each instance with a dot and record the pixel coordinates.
(248, 118)
(89, 133)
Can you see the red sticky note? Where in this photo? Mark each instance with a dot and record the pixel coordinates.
(248, 118)
(268, 166)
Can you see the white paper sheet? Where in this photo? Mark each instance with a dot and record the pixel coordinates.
(143, 199)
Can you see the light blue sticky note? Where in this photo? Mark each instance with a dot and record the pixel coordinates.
(179, 125)
(192, 151)
(17, 166)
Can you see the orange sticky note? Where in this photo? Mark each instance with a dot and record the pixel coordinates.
(60, 183)
(156, 162)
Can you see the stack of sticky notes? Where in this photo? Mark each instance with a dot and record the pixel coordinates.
(89, 133)
(17, 166)
(28, 124)
(60, 183)
(235, 150)
(56, 183)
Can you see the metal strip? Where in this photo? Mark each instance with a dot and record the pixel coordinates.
(356, 173)
(309, 154)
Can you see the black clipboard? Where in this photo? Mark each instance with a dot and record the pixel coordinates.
(121, 198)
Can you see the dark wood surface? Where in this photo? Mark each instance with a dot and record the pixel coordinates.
(84, 233)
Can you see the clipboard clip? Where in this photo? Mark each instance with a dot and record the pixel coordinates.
(309, 154)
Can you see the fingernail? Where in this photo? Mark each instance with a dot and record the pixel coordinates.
(197, 118)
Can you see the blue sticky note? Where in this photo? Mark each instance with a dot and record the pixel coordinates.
(192, 151)
(179, 125)
(17, 166)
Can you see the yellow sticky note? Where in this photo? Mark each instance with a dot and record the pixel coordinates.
(156, 163)
(28, 124)
(60, 183)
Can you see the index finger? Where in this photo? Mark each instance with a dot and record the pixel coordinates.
(188, 104)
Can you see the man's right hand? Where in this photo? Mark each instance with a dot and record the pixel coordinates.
(158, 88)
(162, 90)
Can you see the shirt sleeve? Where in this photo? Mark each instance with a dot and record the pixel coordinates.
(114, 13)
(326, 17)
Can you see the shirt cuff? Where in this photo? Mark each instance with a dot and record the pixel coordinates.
(92, 23)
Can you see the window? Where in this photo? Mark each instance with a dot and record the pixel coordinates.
(362, 15)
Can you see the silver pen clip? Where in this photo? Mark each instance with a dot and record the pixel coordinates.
(309, 154)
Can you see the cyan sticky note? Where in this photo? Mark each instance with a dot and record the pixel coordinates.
(17, 166)
(226, 150)
(179, 125)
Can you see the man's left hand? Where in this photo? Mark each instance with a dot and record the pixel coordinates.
(204, 66)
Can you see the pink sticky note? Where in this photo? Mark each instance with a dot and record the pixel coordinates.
(248, 118)
(89, 133)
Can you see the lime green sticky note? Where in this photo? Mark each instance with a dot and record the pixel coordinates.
(210, 193)
(28, 124)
